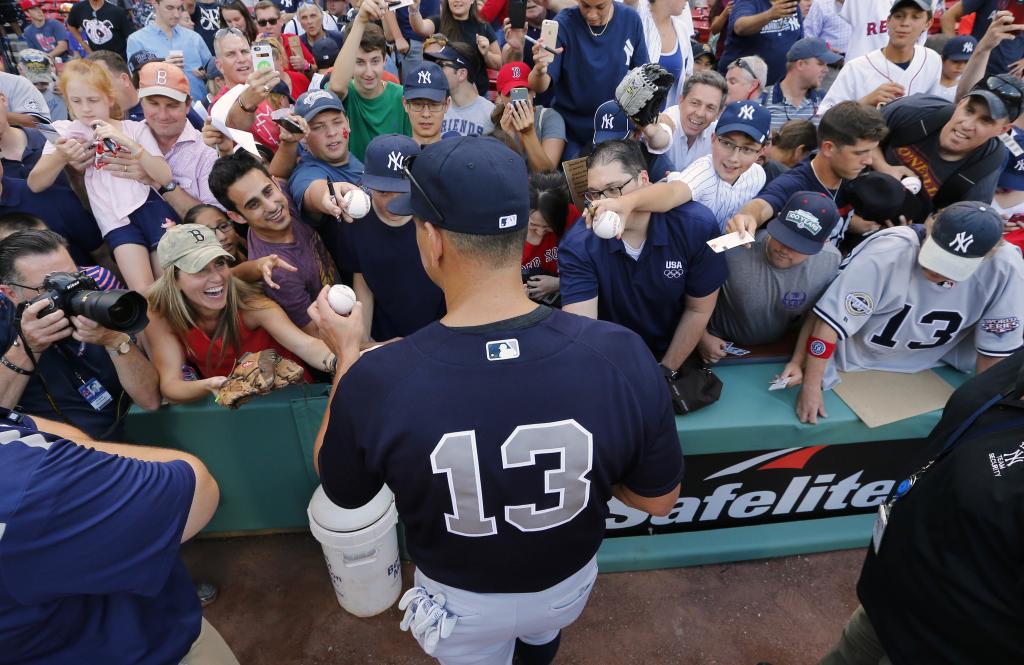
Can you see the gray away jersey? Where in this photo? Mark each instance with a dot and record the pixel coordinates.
(890, 317)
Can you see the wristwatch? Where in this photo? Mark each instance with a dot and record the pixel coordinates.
(124, 347)
(168, 188)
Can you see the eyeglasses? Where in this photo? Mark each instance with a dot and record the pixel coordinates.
(419, 106)
(407, 167)
(1006, 91)
(735, 147)
(37, 289)
(745, 66)
(223, 228)
(612, 192)
(264, 22)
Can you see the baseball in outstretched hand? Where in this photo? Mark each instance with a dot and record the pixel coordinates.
(341, 299)
(357, 203)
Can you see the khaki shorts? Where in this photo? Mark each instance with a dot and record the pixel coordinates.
(209, 649)
(859, 644)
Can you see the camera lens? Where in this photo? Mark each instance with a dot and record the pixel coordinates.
(118, 309)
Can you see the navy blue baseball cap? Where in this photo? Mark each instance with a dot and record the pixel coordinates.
(325, 52)
(447, 54)
(1013, 174)
(959, 48)
(212, 70)
(425, 81)
(312, 102)
(611, 122)
(879, 197)
(961, 236)
(384, 161)
(805, 222)
(467, 184)
(702, 50)
(747, 117)
(812, 47)
(140, 58)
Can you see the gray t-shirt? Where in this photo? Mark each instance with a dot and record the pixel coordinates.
(549, 124)
(923, 157)
(759, 303)
(470, 120)
(22, 96)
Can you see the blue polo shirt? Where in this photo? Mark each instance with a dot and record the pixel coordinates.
(192, 46)
(61, 211)
(585, 75)
(404, 298)
(772, 42)
(647, 295)
(801, 178)
(89, 565)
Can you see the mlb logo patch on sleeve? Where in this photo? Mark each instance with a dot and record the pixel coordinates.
(503, 349)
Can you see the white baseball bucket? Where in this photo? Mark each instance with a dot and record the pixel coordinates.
(361, 549)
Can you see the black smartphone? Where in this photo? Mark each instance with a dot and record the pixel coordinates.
(289, 125)
(517, 14)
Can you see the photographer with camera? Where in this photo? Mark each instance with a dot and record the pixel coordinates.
(69, 350)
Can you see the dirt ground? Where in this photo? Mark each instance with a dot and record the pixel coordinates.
(276, 607)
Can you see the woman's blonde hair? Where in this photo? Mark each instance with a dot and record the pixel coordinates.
(92, 74)
(167, 300)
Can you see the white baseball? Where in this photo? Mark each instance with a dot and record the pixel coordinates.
(357, 203)
(912, 183)
(608, 224)
(341, 299)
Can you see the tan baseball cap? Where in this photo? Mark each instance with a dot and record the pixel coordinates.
(163, 78)
(189, 247)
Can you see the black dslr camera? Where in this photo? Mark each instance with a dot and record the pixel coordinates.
(76, 293)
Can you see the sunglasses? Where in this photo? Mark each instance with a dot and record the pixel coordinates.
(407, 168)
(228, 31)
(1006, 91)
(742, 64)
(264, 22)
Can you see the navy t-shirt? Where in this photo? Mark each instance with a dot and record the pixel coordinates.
(982, 10)
(772, 42)
(89, 566)
(443, 418)
(20, 168)
(61, 211)
(427, 8)
(404, 298)
(647, 295)
(585, 75)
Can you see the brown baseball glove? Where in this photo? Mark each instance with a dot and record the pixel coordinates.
(257, 374)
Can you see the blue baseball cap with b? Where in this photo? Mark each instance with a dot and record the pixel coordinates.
(313, 102)
(959, 48)
(747, 117)
(962, 235)
(805, 222)
(812, 47)
(469, 184)
(611, 122)
(384, 162)
(425, 81)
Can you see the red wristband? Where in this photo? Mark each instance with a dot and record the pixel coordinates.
(819, 348)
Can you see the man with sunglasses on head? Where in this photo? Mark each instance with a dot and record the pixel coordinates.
(747, 78)
(659, 279)
(954, 149)
(504, 497)
(251, 111)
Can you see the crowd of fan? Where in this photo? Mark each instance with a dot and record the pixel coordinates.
(824, 128)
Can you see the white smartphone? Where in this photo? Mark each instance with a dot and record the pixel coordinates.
(262, 57)
(175, 54)
(549, 33)
(395, 5)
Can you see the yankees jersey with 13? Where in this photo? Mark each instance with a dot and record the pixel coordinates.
(502, 490)
(721, 198)
(889, 316)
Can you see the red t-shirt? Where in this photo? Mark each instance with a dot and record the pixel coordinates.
(205, 354)
(541, 259)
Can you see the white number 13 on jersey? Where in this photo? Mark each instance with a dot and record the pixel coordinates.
(455, 455)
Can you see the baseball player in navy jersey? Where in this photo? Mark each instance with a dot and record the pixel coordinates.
(504, 498)
(904, 303)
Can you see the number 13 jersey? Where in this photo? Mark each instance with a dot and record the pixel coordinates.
(502, 443)
(890, 317)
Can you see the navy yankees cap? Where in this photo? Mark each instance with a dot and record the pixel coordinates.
(747, 117)
(961, 236)
(959, 48)
(805, 222)
(325, 52)
(879, 197)
(812, 47)
(312, 102)
(1013, 174)
(384, 161)
(702, 50)
(447, 54)
(425, 81)
(141, 58)
(469, 184)
(611, 122)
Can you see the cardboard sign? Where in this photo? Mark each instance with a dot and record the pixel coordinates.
(576, 175)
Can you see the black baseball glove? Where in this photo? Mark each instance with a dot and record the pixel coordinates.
(641, 94)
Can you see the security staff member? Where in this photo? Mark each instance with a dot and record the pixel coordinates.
(941, 583)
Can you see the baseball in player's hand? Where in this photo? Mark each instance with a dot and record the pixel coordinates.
(711, 348)
(793, 372)
(742, 222)
(810, 404)
(342, 334)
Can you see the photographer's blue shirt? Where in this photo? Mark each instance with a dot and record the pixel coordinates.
(404, 298)
(646, 295)
(61, 211)
(771, 42)
(89, 565)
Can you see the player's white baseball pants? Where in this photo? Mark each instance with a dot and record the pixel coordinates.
(489, 623)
